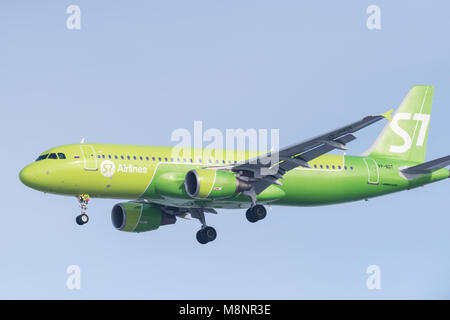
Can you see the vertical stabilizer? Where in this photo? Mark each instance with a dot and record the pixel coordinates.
(405, 136)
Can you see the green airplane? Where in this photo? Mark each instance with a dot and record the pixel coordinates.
(165, 186)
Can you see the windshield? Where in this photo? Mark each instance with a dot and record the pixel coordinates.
(58, 155)
(42, 157)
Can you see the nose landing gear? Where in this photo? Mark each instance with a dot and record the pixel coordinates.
(83, 218)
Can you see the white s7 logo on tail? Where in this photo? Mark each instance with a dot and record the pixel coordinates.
(423, 118)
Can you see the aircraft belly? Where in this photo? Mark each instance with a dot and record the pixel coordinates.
(327, 187)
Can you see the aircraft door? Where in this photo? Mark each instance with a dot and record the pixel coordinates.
(373, 174)
(89, 157)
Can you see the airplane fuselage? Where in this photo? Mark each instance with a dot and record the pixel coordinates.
(153, 174)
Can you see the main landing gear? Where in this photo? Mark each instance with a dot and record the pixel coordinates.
(256, 213)
(83, 218)
(206, 233)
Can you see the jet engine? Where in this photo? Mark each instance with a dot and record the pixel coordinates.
(139, 217)
(213, 184)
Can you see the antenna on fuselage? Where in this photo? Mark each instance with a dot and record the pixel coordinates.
(82, 140)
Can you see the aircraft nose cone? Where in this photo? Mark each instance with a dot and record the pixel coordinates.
(28, 176)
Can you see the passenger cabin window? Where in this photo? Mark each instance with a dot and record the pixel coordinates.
(52, 156)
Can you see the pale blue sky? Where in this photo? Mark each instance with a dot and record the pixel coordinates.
(137, 70)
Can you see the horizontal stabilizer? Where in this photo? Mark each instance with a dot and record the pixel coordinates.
(428, 167)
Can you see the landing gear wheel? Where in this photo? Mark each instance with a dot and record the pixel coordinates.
(250, 216)
(210, 233)
(200, 237)
(256, 213)
(206, 235)
(259, 211)
(82, 219)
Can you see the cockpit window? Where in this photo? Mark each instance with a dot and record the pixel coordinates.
(51, 156)
(42, 157)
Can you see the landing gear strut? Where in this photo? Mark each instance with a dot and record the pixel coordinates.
(256, 213)
(206, 233)
(83, 218)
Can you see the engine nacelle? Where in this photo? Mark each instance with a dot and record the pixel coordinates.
(139, 217)
(213, 184)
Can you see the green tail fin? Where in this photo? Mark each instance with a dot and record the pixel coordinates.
(405, 136)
